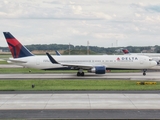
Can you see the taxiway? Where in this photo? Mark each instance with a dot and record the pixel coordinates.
(79, 101)
(154, 76)
(80, 106)
(83, 104)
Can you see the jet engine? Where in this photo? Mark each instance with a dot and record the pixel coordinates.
(98, 70)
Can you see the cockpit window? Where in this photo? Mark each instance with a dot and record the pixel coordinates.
(150, 59)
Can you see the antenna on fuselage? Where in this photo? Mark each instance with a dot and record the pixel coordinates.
(87, 47)
(69, 49)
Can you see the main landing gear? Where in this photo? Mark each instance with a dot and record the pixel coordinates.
(80, 72)
(144, 72)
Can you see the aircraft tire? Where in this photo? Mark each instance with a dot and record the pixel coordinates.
(78, 74)
(144, 73)
(82, 74)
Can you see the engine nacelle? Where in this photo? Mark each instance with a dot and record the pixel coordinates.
(98, 70)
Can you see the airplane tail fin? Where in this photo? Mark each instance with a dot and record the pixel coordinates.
(125, 51)
(57, 53)
(16, 48)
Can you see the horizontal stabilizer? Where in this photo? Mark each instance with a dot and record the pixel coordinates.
(16, 61)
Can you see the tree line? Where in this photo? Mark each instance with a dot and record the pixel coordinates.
(92, 49)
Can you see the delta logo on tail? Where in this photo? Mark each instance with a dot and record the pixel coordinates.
(125, 51)
(16, 48)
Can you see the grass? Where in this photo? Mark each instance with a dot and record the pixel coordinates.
(74, 85)
(5, 56)
(3, 62)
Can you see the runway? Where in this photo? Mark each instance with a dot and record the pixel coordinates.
(10, 66)
(80, 105)
(154, 76)
(79, 101)
(83, 104)
(80, 114)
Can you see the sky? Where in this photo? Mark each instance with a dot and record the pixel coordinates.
(104, 23)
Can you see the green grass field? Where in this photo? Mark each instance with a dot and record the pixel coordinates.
(74, 85)
(3, 62)
(5, 56)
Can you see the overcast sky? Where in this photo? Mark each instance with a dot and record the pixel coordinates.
(104, 23)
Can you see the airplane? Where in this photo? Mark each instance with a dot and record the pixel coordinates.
(154, 56)
(97, 64)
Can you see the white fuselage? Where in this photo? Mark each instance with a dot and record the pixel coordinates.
(154, 56)
(109, 61)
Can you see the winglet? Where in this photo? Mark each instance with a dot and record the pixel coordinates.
(51, 58)
(57, 53)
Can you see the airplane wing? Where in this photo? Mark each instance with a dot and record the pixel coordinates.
(78, 65)
(84, 66)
